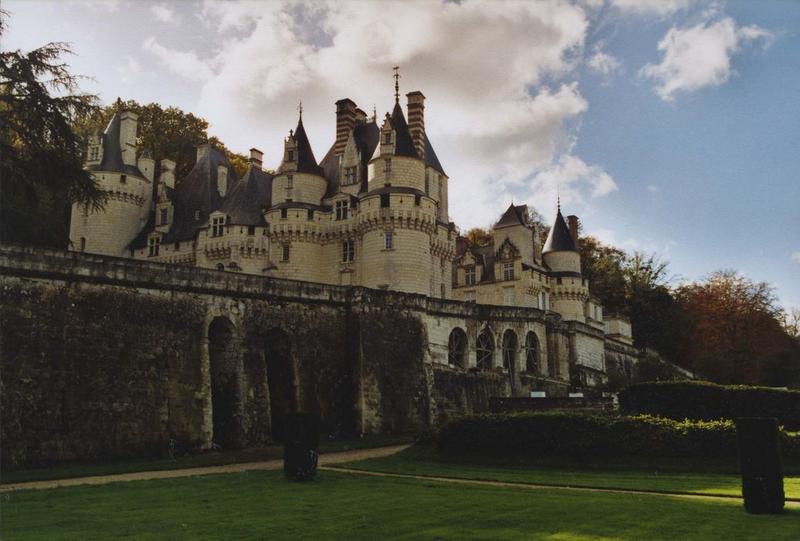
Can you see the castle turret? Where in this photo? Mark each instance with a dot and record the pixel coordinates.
(569, 291)
(300, 179)
(128, 184)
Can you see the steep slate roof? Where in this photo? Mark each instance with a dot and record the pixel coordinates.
(112, 151)
(559, 239)
(198, 191)
(366, 136)
(306, 163)
(514, 215)
(430, 156)
(244, 203)
(404, 144)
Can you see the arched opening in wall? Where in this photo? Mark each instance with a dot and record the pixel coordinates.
(485, 350)
(225, 367)
(220, 267)
(510, 351)
(280, 380)
(456, 348)
(531, 353)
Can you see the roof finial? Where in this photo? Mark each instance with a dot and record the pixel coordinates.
(300, 108)
(374, 113)
(558, 196)
(396, 84)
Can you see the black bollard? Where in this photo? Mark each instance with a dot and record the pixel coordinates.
(760, 464)
(301, 441)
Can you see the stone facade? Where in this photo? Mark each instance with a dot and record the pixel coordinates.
(159, 356)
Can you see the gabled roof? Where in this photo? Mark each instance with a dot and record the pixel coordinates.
(198, 192)
(366, 137)
(404, 144)
(514, 215)
(306, 163)
(244, 203)
(112, 151)
(559, 239)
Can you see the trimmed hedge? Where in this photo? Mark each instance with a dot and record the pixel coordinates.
(585, 435)
(708, 401)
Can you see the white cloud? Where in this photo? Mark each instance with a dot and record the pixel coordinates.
(129, 70)
(497, 129)
(184, 64)
(796, 257)
(603, 63)
(163, 13)
(651, 7)
(699, 56)
(652, 188)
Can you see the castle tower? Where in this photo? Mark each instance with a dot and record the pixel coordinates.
(569, 290)
(128, 184)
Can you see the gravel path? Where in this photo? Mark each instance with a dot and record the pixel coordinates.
(325, 459)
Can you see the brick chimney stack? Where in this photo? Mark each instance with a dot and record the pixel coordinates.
(573, 221)
(346, 114)
(361, 116)
(416, 120)
(256, 157)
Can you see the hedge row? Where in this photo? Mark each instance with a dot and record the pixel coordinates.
(584, 435)
(708, 401)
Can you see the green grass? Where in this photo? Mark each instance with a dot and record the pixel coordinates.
(67, 471)
(262, 505)
(658, 477)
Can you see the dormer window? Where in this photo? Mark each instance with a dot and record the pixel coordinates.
(164, 216)
(341, 210)
(153, 245)
(508, 270)
(217, 226)
(349, 176)
(469, 275)
(289, 182)
(387, 167)
(387, 138)
(290, 156)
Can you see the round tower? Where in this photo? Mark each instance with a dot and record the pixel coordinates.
(568, 290)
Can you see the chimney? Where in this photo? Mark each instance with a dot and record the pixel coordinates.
(168, 173)
(256, 157)
(222, 179)
(361, 116)
(345, 121)
(202, 150)
(416, 120)
(572, 221)
(127, 136)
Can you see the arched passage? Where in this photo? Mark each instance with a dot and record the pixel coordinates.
(531, 353)
(510, 351)
(485, 350)
(225, 365)
(457, 347)
(280, 380)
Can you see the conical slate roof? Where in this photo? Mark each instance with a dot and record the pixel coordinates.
(244, 204)
(559, 239)
(112, 151)
(404, 145)
(514, 215)
(306, 163)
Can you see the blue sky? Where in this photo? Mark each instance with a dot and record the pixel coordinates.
(669, 126)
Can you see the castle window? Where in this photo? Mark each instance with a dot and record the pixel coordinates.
(153, 244)
(123, 179)
(220, 266)
(285, 252)
(385, 200)
(508, 270)
(469, 275)
(290, 156)
(289, 182)
(310, 214)
(427, 182)
(388, 240)
(508, 296)
(164, 218)
(341, 210)
(387, 167)
(349, 175)
(456, 348)
(417, 199)
(387, 138)
(217, 226)
(531, 353)
(284, 213)
(251, 230)
(83, 244)
(348, 251)
(485, 350)
(94, 153)
(510, 351)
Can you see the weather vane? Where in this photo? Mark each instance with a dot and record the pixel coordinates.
(396, 84)
(300, 108)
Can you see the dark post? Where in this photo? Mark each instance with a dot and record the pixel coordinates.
(301, 441)
(760, 464)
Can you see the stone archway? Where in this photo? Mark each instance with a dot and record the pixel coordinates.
(280, 380)
(225, 367)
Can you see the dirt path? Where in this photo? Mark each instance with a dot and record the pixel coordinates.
(504, 484)
(325, 459)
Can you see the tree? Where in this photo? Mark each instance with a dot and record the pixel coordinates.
(479, 236)
(41, 166)
(169, 133)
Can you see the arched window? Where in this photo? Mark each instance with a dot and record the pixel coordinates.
(220, 266)
(485, 350)
(456, 347)
(531, 353)
(509, 350)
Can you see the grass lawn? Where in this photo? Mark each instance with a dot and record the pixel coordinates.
(262, 505)
(66, 471)
(424, 461)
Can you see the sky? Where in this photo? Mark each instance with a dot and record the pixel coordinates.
(669, 126)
